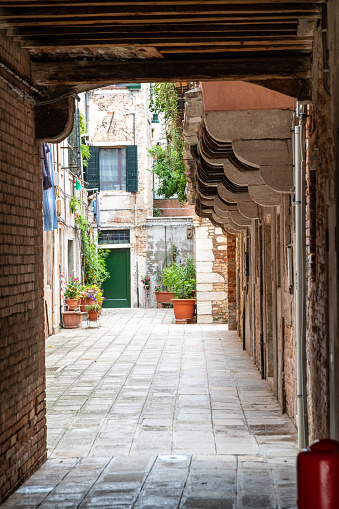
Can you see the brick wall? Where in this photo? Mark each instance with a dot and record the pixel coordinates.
(22, 384)
(319, 170)
(172, 208)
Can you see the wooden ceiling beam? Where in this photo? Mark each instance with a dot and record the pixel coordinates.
(142, 3)
(75, 72)
(136, 20)
(17, 12)
(172, 43)
(272, 26)
(231, 49)
(161, 40)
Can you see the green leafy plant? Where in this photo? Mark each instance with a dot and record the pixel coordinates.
(94, 260)
(174, 251)
(181, 279)
(74, 204)
(168, 156)
(93, 307)
(156, 211)
(84, 149)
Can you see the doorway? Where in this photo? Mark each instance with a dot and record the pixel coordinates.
(117, 288)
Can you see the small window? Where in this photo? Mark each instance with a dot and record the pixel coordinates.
(112, 165)
(112, 169)
(114, 237)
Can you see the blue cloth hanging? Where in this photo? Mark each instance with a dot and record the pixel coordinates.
(48, 196)
(97, 215)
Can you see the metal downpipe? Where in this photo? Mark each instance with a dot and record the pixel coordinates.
(299, 286)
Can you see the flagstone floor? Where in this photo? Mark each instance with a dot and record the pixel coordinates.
(144, 413)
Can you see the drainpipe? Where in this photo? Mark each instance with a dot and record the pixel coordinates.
(299, 285)
(138, 301)
(261, 283)
(87, 112)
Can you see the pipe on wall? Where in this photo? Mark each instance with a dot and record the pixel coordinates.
(261, 283)
(299, 285)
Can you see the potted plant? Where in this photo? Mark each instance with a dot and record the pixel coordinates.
(100, 299)
(163, 296)
(181, 279)
(146, 280)
(93, 311)
(72, 319)
(72, 293)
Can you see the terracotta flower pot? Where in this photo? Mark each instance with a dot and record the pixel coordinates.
(72, 319)
(164, 297)
(71, 304)
(183, 308)
(93, 315)
(85, 302)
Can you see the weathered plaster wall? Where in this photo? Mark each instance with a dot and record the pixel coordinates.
(62, 247)
(162, 235)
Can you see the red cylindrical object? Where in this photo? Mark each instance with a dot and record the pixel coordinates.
(318, 476)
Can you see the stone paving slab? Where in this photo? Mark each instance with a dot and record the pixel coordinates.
(145, 413)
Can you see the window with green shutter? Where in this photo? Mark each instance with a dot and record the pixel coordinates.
(111, 169)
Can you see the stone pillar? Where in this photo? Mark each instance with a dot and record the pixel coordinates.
(211, 273)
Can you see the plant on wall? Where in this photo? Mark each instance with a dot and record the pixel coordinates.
(168, 156)
(85, 152)
(94, 260)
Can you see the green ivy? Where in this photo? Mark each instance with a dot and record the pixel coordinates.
(94, 260)
(156, 211)
(85, 152)
(168, 157)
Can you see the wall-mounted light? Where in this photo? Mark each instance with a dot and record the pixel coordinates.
(155, 118)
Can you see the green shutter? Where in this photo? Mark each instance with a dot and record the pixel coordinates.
(91, 172)
(133, 86)
(74, 154)
(132, 168)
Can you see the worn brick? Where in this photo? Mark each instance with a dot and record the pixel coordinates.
(22, 351)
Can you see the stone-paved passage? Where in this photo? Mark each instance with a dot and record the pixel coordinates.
(143, 413)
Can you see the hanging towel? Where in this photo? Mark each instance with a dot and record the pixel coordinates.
(97, 214)
(48, 196)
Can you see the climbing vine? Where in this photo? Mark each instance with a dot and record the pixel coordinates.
(84, 149)
(168, 156)
(94, 260)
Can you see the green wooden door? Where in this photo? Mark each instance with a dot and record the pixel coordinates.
(117, 288)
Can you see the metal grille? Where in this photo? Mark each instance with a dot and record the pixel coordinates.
(114, 237)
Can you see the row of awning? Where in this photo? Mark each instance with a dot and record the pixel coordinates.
(236, 161)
